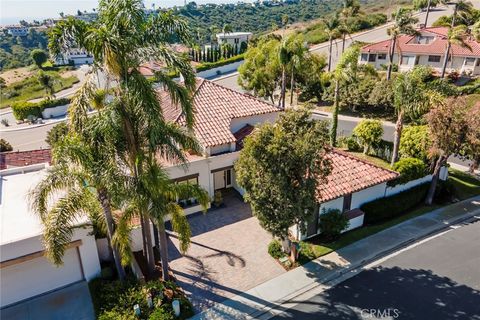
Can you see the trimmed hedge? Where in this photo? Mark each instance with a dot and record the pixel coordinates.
(23, 109)
(210, 65)
(390, 207)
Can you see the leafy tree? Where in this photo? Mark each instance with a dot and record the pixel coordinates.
(281, 167)
(403, 24)
(121, 39)
(350, 10)
(56, 134)
(39, 57)
(312, 80)
(476, 30)
(411, 99)
(381, 95)
(447, 127)
(457, 36)
(261, 71)
(369, 132)
(415, 143)
(344, 72)
(471, 147)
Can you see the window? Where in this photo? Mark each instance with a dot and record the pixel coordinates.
(478, 62)
(408, 60)
(186, 202)
(347, 202)
(470, 62)
(434, 58)
(372, 57)
(236, 40)
(228, 177)
(425, 39)
(364, 57)
(381, 56)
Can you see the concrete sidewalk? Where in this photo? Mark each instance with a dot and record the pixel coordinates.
(259, 300)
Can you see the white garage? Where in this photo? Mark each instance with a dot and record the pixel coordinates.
(25, 272)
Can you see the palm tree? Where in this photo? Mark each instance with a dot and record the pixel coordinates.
(455, 36)
(284, 57)
(297, 50)
(47, 82)
(476, 31)
(461, 8)
(351, 8)
(84, 170)
(121, 40)
(411, 99)
(428, 6)
(344, 72)
(332, 25)
(403, 24)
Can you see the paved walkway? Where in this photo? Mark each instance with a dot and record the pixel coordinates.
(265, 297)
(228, 255)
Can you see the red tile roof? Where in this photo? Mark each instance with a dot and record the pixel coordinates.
(24, 158)
(351, 174)
(215, 106)
(436, 47)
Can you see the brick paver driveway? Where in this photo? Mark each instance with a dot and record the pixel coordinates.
(227, 256)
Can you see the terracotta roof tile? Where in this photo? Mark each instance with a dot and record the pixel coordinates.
(24, 158)
(436, 47)
(351, 174)
(215, 106)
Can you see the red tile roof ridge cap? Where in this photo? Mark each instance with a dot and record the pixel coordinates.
(346, 154)
(242, 94)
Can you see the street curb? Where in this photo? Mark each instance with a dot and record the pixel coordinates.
(358, 265)
(349, 118)
(33, 126)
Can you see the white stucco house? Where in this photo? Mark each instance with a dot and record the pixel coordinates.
(25, 272)
(427, 48)
(234, 38)
(17, 30)
(75, 57)
(223, 118)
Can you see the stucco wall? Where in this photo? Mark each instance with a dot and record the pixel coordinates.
(238, 123)
(367, 195)
(55, 111)
(220, 70)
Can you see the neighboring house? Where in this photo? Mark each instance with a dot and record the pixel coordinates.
(223, 118)
(234, 38)
(17, 30)
(75, 57)
(428, 48)
(24, 158)
(25, 272)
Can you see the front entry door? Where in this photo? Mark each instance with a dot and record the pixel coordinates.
(312, 225)
(219, 180)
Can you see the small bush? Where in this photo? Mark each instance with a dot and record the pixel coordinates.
(415, 143)
(409, 169)
(332, 223)
(210, 65)
(5, 146)
(387, 208)
(162, 314)
(349, 143)
(275, 249)
(56, 134)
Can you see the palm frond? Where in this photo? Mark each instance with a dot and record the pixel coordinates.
(180, 225)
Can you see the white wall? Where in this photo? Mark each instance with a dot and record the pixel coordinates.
(367, 195)
(238, 123)
(136, 238)
(219, 70)
(55, 111)
(332, 204)
(356, 222)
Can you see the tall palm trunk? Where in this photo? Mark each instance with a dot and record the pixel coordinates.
(445, 62)
(292, 84)
(343, 41)
(428, 12)
(390, 57)
(336, 106)
(156, 238)
(436, 173)
(283, 89)
(105, 203)
(163, 249)
(454, 16)
(397, 136)
(330, 53)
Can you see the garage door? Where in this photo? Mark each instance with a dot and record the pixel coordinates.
(30, 278)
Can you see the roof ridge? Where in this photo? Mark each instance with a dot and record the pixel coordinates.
(242, 94)
(346, 154)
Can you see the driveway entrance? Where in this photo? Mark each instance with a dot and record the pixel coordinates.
(228, 254)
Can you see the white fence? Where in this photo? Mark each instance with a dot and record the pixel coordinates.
(390, 191)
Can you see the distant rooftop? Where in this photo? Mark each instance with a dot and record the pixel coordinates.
(24, 158)
(233, 34)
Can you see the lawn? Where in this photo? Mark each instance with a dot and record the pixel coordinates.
(29, 88)
(466, 186)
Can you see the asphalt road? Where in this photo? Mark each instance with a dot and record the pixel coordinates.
(435, 280)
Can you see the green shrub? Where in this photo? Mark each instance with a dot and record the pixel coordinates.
(409, 169)
(383, 149)
(332, 223)
(5, 146)
(210, 65)
(162, 314)
(21, 110)
(368, 133)
(56, 134)
(389, 207)
(275, 249)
